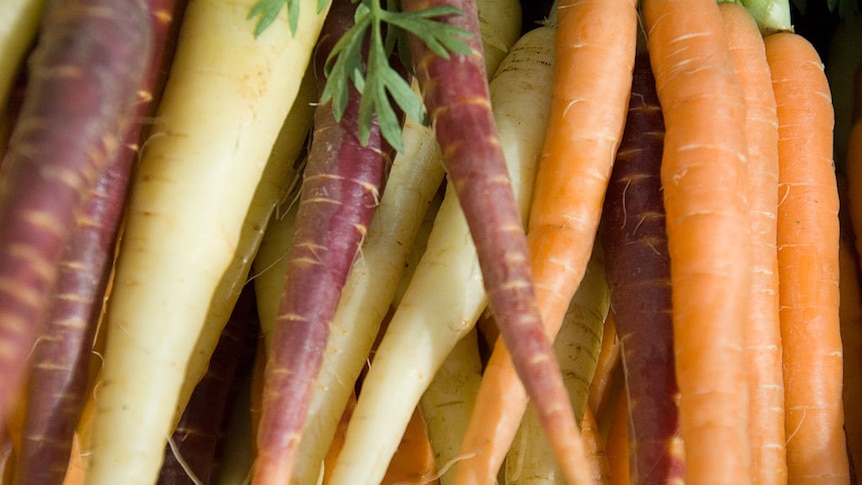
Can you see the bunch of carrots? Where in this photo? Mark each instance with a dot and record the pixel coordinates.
(428, 241)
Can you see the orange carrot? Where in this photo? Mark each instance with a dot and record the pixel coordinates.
(592, 85)
(606, 368)
(808, 241)
(763, 332)
(595, 449)
(703, 177)
(617, 442)
(413, 462)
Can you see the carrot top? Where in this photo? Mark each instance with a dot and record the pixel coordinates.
(378, 82)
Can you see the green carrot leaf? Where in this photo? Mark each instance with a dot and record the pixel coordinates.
(377, 81)
(382, 31)
(267, 11)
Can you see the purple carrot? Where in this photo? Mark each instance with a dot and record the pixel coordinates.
(456, 95)
(199, 430)
(60, 360)
(83, 80)
(638, 267)
(342, 185)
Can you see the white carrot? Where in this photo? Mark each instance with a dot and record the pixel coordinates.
(447, 403)
(277, 179)
(531, 458)
(446, 295)
(225, 101)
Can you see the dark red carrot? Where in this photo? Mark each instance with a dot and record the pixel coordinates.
(638, 269)
(84, 77)
(60, 360)
(342, 185)
(455, 92)
(195, 441)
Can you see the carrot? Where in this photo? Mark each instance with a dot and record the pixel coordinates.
(808, 242)
(413, 462)
(530, 458)
(341, 188)
(476, 167)
(277, 181)
(215, 126)
(608, 365)
(617, 444)
(446, 404)
(638, 266)
(763, 331)
(708, 230)
(402, 369)
(60, 360)
(595, 448)
(191, 453)
(49, 169)
(565, 211)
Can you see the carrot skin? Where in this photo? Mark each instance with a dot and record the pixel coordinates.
(61, 357)
(594, 49)
(704, 177)
(808, 260)
(49, 168)
(341, 189)
(456, 93)
(638, 267)
(763, 331)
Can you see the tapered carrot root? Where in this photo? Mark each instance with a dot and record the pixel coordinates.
(704, 177)
(341, 188)
(763, 332)
(638, 267)
(445, 294)
(49, 168)
(60, 360)
(577, 156)
(808, 245)
(195, 180)
(455, 90)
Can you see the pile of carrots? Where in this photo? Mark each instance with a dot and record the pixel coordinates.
(441, 242)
